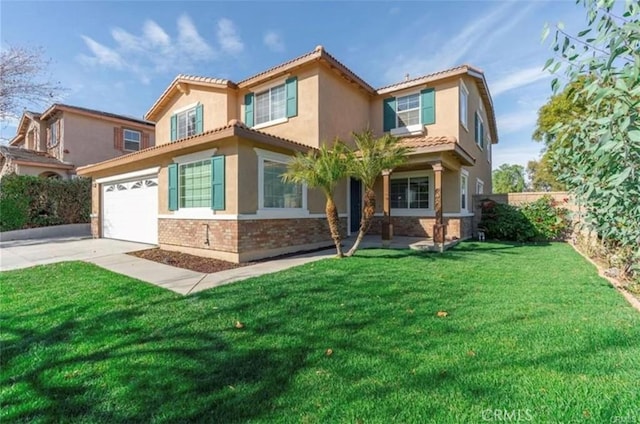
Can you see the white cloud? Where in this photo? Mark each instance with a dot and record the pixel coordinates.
(151, 52)
(517, 121)
(518, 79)
(273, 41)
(102, 55)
(228, 37)
(155, 34)
(189, 39)
(451, 52)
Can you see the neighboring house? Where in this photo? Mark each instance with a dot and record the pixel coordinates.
(211, 186)
(56, 142)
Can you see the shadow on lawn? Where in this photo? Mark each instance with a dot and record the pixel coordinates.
(147, 376)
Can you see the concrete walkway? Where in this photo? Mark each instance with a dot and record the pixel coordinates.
(111, 255)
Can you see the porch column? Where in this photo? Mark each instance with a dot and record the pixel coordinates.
(439, 229)
(387, 227)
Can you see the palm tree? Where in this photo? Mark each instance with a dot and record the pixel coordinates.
(322, 169)
(371, 157)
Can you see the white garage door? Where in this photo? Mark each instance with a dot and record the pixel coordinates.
(130, 210)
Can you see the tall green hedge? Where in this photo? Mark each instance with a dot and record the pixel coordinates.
(29, 202)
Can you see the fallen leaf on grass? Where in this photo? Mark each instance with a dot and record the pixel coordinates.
(239, 324)
(442, 314)
(329, 352)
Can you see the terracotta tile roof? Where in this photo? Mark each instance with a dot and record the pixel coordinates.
(318, 53)
(461, 69)
(233, 128)
(418, 141)
(32, 156)
(60, 106)
(432, 144)
(187, 79)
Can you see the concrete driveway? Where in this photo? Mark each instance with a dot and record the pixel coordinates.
(25, 253)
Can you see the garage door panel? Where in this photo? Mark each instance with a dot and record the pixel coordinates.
(130, 210)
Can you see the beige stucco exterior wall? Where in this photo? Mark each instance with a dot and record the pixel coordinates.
(446, 97)
(217, 109)
(343, 107)
(482, 168)
(87, 140)
(248, 180)
(304, 127)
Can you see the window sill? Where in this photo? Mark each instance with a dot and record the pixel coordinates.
(194, 213)
(270, 123)
(282, 213)
(412, 212)
(411, 129)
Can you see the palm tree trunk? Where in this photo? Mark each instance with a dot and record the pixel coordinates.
(334, 225)
(368, 211)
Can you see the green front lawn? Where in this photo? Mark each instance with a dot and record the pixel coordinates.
(531, 333)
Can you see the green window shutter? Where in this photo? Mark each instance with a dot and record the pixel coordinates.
(291, 87)
(248, 110)
(475, 126)
(217, 183)
(428, 101)
(173, 187)
(389, 113)
(481, 135)
(199, 119)
(174, 127)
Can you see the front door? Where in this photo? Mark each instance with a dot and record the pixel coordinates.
(355, 191)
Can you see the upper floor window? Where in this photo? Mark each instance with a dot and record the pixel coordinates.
(186, 122)
(270, 105)
(464, 104)
(410, 112)
(132, 139)
(479, 130)
(54, 134)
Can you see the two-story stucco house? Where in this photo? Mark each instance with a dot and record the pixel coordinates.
(54, 143)
(211, 186)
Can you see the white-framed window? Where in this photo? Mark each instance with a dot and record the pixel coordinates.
(408, 110)
(186, 123)
(131, 139)
(464, 182)
(479, 186)
(54, 134)
(410, 193)
(464, 105)
(479, 131)
(270, 105)
(194, 184)
(275, 197)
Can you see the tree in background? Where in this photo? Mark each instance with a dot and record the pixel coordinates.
(542, 176)
(508, 179)
(23, 81)
(560, 109)
(602, 144)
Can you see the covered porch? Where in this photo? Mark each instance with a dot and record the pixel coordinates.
(424, 197)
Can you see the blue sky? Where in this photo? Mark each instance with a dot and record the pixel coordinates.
(119, 56)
